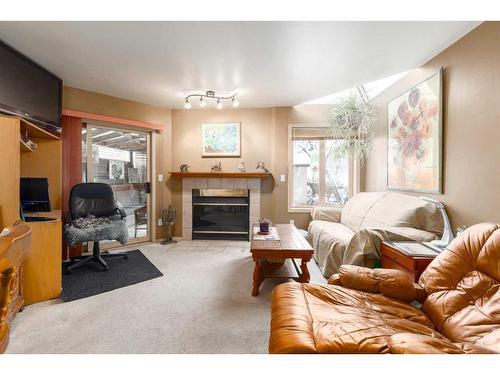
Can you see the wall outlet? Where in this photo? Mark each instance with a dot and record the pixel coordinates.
(160, 222)
(160, 178)
(282, 178)
(292, 222)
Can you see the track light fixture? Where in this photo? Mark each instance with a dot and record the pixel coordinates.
(211, 95)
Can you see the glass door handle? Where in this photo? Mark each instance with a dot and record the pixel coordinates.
(147, 187)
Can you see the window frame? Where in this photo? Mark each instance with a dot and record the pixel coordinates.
(353, 169)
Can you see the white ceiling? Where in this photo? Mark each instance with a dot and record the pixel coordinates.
(267, 63)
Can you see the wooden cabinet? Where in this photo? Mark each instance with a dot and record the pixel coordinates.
(42, 268)
(16, 293)
(38, 277)
(15, 245)
(10, 161)
(395, 259)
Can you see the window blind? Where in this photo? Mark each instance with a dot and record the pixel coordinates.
(311, 133)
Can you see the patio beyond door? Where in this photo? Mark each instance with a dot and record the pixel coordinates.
(121, 158)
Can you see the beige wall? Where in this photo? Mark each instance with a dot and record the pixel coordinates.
(471, 134)
(256, 144)
(87, 101)
(471, 150)
(264, 136)
(304, 114)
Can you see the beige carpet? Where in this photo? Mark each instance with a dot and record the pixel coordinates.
(202, 304)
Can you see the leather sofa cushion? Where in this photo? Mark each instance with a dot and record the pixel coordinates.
(308, 318)
(411, 343)
(389, 282)
(463, 287)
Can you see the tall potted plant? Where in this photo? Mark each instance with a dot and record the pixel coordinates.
(351, 119)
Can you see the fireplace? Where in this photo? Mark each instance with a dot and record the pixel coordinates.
(222, 214)
(220, 187)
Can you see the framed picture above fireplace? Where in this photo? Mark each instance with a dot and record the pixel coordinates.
(221, 140)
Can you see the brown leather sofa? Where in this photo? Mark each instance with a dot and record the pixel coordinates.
(369, 311)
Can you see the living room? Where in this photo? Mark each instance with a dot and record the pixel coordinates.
(250, 187)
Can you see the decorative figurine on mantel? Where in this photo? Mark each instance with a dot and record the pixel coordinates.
(184, 168)
(241, 167)
(262, 167)
(216, 167)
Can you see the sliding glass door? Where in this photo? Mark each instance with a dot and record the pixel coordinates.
(121, 158)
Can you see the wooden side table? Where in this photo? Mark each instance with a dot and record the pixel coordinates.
(292, 246)
(394, 258)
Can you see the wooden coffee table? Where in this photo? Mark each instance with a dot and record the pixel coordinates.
(292, 246)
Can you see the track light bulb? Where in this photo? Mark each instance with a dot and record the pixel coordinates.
(219, 104)
(202, 102)
(235, 101)
(187, 105)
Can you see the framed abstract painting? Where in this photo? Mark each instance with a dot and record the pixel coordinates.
(221, 140)
(414, 138)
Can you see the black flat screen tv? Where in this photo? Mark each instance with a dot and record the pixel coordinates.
(28, 90)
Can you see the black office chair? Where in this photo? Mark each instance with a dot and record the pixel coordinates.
(95, 200)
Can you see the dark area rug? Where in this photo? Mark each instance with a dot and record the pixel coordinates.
(88, 280)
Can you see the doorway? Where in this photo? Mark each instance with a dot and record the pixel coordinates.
(121, 158)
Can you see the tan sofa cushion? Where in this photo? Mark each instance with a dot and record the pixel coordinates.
(390, 209)
(329, 241)
(326, 213)
(335, 244)
(366, 220)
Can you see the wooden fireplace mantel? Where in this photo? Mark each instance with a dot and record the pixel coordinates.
(260, 175)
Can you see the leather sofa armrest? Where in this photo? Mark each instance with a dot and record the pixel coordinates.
(412, 343)
(389, 282)
(334, 279)
(332, 214)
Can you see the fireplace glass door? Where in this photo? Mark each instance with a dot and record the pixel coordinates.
(221, 214)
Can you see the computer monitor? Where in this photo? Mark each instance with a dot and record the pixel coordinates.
(34, 194)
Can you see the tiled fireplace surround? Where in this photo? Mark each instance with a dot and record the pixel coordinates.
(188, 184)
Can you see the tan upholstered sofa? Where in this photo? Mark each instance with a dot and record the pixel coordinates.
(369, 311)
(353, 234)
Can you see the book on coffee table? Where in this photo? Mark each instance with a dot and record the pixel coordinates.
(272, 236)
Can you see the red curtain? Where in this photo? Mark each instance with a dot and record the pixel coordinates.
(71, 169)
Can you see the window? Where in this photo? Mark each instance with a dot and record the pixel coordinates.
(121, 158)
(366, 91)
(317, 175)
